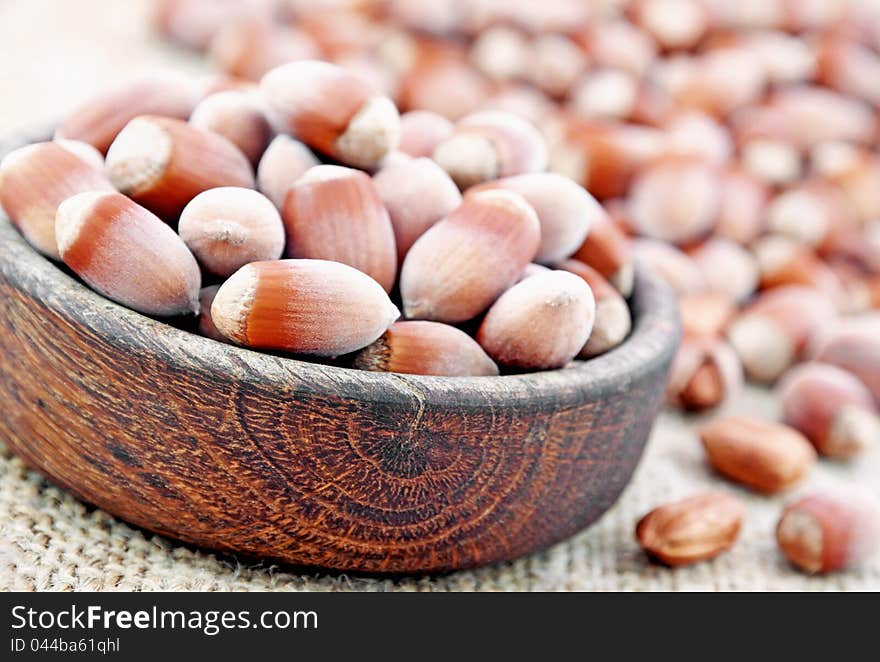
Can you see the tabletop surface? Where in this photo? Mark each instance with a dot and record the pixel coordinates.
(53, 53)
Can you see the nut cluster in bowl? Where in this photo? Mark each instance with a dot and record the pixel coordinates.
(314, 241)
(733, 150)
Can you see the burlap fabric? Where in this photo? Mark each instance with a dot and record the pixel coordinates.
(51, 541)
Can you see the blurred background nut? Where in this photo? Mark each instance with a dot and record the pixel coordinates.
(765, 456)
(488, 145)
(772, 332)
(604, 157)
(705, 374)
(726, 267)
(741, 211)
(783, 261)
(606, 249)
(853, 344)
(675, 267)
(829, 531)
(831, 407)
(194, 23)
(706, 314)
(693, 529)
(252, 46)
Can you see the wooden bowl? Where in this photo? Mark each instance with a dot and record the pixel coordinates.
(313, 465)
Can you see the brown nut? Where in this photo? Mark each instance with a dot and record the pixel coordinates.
(426, 348)
(421, 131)
(127, 254)
(606, 249)
(852, 343)
(252, 45)
(783, 261)
(765, 456)
(674, 24)
(658, 210)
(417, 193)
(603, 157)
(206, 323)
(228, 227)
(812, 115)
(706, 314)
(335, 213)
(84, 151)
(434, 69)
(528, 103)
(606, 95)
(849, 67)
(613, 319)
(556, 62)
(540, 323)
(717, 81)
(772, 332)
(705, 374)
(771, 161)
(532, 269)
(617, 44)
(806, 212)
(826, 532)
(727, 268)
(693, 529)
(675, 267)
(565, 211)
(163, 163)
(34, 180)
(831, 407)
(501, 53)
(192, 23)
(284, 161)
(333, 111)
(99, 120)
(311, 307)
(464, 262)
(858, 180)
(693, 134)
(490, 144)
(238, 118)
(741, 213)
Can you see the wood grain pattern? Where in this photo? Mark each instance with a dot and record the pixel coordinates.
(308, 464)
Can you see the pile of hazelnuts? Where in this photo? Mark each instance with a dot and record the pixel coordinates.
(309, 263)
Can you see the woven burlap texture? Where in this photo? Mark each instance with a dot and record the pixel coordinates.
(51, 541)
